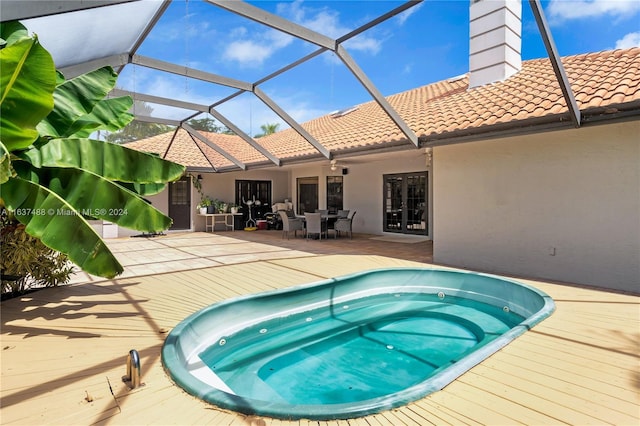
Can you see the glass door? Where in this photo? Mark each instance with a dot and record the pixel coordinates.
(334, 194)
(393, 205)
(180, 203)
(405, 203)
(307, 195)
(248, 190)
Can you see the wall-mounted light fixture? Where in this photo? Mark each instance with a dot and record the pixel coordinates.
(429, 155)
(199, 177)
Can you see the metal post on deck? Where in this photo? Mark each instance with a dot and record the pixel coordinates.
(133, 369)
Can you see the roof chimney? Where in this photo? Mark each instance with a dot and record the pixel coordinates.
(494, 47)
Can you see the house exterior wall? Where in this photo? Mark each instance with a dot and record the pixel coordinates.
(364, 191)
(223, 187)
(561, 205)
(362, 184)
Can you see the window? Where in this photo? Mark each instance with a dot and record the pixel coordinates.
(334, 193)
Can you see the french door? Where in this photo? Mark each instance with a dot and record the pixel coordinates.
(405, 203)
(253, 190)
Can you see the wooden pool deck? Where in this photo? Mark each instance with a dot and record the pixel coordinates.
(64, 349)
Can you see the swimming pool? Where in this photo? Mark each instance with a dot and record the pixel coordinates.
(348, 346)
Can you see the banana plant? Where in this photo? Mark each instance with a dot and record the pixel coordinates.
(53, 176)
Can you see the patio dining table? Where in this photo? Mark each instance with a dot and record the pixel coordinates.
(325, 217)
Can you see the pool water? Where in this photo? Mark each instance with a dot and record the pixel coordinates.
(333, 356)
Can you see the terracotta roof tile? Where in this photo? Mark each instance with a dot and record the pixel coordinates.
(433, 111)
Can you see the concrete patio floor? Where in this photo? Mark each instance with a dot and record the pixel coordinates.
(191, 250)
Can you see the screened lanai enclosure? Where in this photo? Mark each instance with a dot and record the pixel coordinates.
(86, 35)
(200, 73)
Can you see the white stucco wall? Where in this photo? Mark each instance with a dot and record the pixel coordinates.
(222, 186)
(560, 205)
(362, 184)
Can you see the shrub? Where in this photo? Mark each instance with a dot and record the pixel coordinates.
(26, 263)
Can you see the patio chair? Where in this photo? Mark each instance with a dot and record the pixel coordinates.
(315, 224)
(344, 224)
(290, 224)
(343, 213)
(322, 212)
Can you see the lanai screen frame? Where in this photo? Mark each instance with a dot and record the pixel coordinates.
(61, 9)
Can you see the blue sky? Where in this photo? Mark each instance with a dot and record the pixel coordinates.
(427, 43)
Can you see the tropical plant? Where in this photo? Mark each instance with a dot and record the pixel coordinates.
(136, 129)
(206, 201)
(268, 129)
(26, 262)
(197, 184)
(219, 206)
(206, 125)
(52, 176)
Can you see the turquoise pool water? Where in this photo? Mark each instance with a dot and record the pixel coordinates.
(348, 346)
(371, 347)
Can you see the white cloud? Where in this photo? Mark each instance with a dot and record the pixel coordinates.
(364, 44)
(248, 52)
(327, 22)
(402, 17)
(629, 40)
(253, 49)
(563, 10)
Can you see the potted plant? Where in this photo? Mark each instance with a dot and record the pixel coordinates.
(205, 201)
(234, 208)
(211, 206)
(219, 206)
(204, 204)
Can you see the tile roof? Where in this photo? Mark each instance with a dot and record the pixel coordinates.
(603, 83)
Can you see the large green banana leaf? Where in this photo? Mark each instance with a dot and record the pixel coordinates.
(111, 161)
(92, 195)
(110, 114)
(144, 189)
(27, 80)
(44, 215)
(75, 101)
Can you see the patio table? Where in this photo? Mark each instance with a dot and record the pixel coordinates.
(226, 219)
(324, 217)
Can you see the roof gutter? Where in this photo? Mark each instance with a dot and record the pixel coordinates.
(593, 117)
